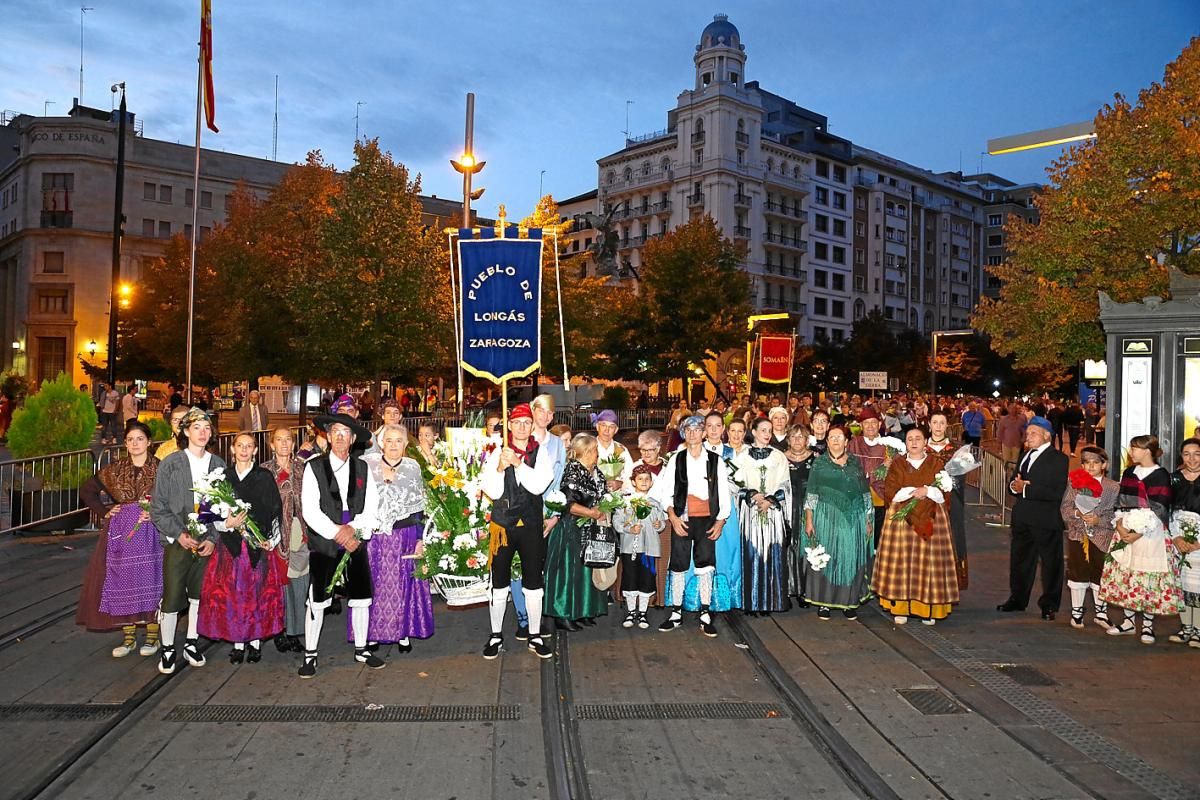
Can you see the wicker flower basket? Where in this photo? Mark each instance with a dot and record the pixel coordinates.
(463, 590)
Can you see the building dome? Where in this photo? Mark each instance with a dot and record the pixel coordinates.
(720, 33)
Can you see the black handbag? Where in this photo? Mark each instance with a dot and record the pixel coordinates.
(599, 550)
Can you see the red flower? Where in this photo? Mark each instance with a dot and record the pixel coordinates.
(1084, 483)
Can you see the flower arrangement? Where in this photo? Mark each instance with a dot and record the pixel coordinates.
(941, 481)
(1138, 520)
(611, 467)
(1185, 525)
(555, 502)
(219, 501)
(456, 535)
(144, 504)
(817, 557)
(640, 506)
(610, 502)
(1087, 488)
(896, 447)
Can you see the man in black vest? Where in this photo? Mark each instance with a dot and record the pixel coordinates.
(1037, 525)
(339, 500)
(694, 489)
(515, 476)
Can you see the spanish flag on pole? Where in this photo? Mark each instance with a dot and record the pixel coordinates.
(206, 59)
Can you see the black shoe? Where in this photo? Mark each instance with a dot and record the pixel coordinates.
(1008, 607)
(297, 644)
(824, 613)
(309, 668)
(404, 648)
(192, 654)
(674, 620)
(567, 625)
(365, 656)
(253, 654)
(586, 621)
(706, 624)
(539, 647)
(630, 619)
(335, 606)
(1048, 616)
(495, 644)
(801, 603)
(522, 633)
(166, 660)
(850, 613)
(237, 655)
(282, 642)
(373, 647)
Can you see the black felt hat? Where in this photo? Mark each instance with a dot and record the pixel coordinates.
(361, 434)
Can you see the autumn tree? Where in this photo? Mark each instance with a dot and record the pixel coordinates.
(1120, 209)
(692, 303)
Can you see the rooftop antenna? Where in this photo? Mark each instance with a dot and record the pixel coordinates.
(275, 125)
(46, 107)
(628, 103)
(82, 10)
(357, 106)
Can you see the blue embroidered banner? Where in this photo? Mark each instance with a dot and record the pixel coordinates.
(500, 284)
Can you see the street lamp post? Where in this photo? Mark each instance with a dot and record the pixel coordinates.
(118, 232)
(933, 360)
(467, 166)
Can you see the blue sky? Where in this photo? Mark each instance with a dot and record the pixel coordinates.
(927, 81)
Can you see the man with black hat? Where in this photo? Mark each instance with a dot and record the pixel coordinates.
(1039, 484)
(873, 454)
(339, 499)
(515, 476)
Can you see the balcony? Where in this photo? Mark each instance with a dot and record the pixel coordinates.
(740, 199)
(696, 199)
(661, 208)
(795, 273)
(741, 232)
(781, 210)
(742, 138)
(698, 137)
(779, 240)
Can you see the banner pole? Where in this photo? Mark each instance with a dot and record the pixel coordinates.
(791, 368)
(503, 412)
(562, 330)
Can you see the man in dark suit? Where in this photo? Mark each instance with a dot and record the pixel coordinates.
(1038, 484)
(253, 415)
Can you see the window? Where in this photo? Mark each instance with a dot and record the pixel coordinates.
(995, 240)
(839, 335)
(839, 200)
(819, 332)
(164, 194)
(820, 278)
(821, 251)
(187, 231)
(860, 256)
(860, 309)
(839, 282)
(164, 229)
(56, 200)
(187, 197)
(52, 357)
(52, 261)
(839, 308)
(820, 306)
(822, 169)
(148, 228)
(205, 199)
(52, 301)
(839, 227)
(994, 220)
(860, 202)
(860, 283)
(839, 173)
(995, 261)
(822, 195)
(699, 157)
(741, 156)
(733, 78)
(822, 223)
(860, 229)
(149, 191)
(839, 255)
(628, 174)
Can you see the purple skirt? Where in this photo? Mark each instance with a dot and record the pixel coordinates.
(133, 565)
(400, 604)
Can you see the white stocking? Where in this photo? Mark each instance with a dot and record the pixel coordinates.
(631, 600)
(167, 623)
(705, 579)
(1078, 594)
(312, 627)
(644, 601)
(677, 579)
(496, 609)
(533, 608)
(360, 617)
(240, 645)
(193, 618)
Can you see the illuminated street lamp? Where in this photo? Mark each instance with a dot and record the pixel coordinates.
(91, 346)
(125, 292)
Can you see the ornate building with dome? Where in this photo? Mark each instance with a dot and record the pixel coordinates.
(831, 230)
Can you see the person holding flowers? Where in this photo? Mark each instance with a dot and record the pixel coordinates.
(875, 457)
(123, 583)
(800, 461)
(1142, 573)
(639, 523)
(287, 468)
(339, 500)
(915, 572)
(694, 489)
(187, 540)
(837, 524)
(1087, 511)
(941, 447)
(400, 600)
(762, 478)
(613, 459)
(1185, 531)
(241, 600)
(571, 596)
(515, 477)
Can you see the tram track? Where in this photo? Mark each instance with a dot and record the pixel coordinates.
(22, 632)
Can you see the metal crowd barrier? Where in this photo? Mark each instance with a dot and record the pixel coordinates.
(992, 481)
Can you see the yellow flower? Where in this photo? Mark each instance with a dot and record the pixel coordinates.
(448, 478)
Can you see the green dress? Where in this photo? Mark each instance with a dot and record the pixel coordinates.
(570, 593)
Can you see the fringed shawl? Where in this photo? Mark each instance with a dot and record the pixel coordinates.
(840, 500)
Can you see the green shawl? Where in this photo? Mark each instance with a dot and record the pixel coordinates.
(843, 519)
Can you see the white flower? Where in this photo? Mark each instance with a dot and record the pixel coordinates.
(464, 541)
(943, 481)
(482, 557)
(556, 497)
(446, 561)
(1141, 520)
(817, 557)
(194, 517)
(893, 443)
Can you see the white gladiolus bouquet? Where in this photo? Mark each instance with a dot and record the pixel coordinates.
(943, 481)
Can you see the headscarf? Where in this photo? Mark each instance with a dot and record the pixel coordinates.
(340, 405)
(607, 415)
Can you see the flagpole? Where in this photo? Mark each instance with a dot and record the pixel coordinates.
(195, 225)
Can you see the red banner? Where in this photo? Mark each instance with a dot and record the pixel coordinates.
(775, 358)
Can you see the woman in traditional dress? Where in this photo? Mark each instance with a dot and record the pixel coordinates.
(1143, 574)
(570, 595)
(800, 462)
(838, 517)
(287, 469)
(763, 473)
(915, 572)
(943, 448)
(820, 429)
(400, 606)
(241, 600)
(123, 583)
(1185, 496)
(1089, 524)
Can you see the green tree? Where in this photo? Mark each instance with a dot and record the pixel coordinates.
(1120, 209)
(58, 418)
